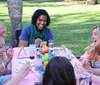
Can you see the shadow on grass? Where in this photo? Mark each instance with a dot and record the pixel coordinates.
(44, 4)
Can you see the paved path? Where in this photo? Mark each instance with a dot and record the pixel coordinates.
(36, 0)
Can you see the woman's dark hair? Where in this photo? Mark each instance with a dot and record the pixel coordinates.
(59, 71)
(38, 13)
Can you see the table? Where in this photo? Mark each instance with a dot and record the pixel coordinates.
(31, 78)
(74, 60)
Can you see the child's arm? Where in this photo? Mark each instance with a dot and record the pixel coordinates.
(3, 69)
(20, 76)
(5, 63)
(95, 70)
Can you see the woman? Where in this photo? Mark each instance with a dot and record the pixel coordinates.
(5, 57)
(59, 71)
(92, 54)
(37, 31)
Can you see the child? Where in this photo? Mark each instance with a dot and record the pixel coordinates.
(5, 57)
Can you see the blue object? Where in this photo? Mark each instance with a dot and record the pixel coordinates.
(4, 79)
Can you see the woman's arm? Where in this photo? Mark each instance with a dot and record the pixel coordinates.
(25, 36)
(23, 43)
(95, 70)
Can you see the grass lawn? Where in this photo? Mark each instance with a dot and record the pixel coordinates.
(70, 24)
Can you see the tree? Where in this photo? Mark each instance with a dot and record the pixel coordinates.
(15, 14)
(91, 2)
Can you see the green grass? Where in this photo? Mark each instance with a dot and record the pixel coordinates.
(71, 24)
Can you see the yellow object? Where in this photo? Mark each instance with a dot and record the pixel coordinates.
(45, 63)
(46, 54)
(44, 47)
(22, 47)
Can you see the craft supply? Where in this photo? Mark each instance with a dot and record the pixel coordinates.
(22, 48)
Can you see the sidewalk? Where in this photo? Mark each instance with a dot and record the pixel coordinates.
(36, 0)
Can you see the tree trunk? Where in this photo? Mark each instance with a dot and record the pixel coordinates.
(91, 2)
(15, 14)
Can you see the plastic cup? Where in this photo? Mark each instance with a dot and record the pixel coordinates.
(32, 50)
(43, 43)
(37, 64)
(51, 43)
(38, 79)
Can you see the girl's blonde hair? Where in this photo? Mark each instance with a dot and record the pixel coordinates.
(91, 49)
(98, 30)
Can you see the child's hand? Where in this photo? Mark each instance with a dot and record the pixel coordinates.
(26, 68)
(10, 52)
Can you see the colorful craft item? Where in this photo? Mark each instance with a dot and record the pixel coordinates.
(44, 51)
(44, 47)
(45, 58)
(45, 63)
(22, 48)
(46, 54)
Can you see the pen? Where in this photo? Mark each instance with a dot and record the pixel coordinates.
(22, 57)
(31, 57)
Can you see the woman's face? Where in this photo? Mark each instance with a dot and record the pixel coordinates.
(2, 42)
(95, 38)
(3, 31)
(41, 22)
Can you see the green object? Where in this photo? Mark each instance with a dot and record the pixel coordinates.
(45, 58)
(34, 34)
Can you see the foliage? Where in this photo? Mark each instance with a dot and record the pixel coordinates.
(3, 0)
(70, 24)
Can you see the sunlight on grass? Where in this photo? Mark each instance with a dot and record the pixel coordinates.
(71, 24)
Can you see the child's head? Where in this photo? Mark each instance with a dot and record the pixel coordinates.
(2, 30)
(59, 71)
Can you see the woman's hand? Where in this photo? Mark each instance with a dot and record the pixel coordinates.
(37, 42)
(86, 64)
(10, 52)
(79, 70)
